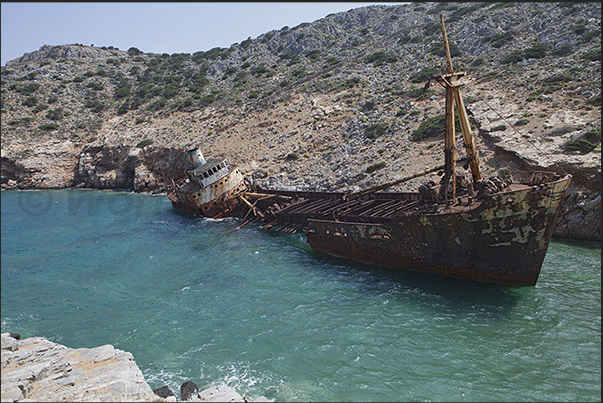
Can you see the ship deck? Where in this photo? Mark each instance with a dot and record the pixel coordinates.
(380, 207)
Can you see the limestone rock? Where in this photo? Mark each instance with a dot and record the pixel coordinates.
(37, 369)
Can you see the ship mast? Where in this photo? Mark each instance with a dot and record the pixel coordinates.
(451, 82)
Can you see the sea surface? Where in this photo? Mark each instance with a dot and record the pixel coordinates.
(197, 299)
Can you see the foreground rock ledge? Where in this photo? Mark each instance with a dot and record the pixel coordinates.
(36, 369)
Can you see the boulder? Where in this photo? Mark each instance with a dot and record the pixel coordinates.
(163, 391)
(188, 389)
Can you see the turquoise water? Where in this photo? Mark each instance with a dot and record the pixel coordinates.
(195, 299)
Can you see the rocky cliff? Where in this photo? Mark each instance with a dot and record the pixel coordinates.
(313, 106)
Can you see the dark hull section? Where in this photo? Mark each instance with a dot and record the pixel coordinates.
(503, 240)
(222, 208)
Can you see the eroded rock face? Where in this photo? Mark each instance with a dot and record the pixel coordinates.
(39, 370)
(580, 216)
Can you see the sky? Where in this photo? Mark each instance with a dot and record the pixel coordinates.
(152, 27)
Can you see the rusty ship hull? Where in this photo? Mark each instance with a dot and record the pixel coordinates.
(503, 239)
(499, 238)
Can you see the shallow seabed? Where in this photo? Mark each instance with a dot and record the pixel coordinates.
(195, 299)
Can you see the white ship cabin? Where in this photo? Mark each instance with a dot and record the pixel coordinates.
(212, 171)
(205, 172)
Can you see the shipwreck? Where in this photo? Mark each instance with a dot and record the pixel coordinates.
(494, 230)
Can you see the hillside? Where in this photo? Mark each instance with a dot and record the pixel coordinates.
(314, 106)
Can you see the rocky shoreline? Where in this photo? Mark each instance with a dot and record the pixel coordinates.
(36, 369)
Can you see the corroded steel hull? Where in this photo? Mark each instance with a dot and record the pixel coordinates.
(502, 240)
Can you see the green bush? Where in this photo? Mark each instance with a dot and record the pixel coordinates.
(134, 51)
(351, 82)
(245, 44)
(21, 122)
(49, 127)
(40, 108)
(267, 37)
(499, 128)
(123, 108)
(594, 135)
(157, 105)
(375, 130)
(581, 145)
(230, 71)
(439, 50)
(458, 13)
(95, 105)
(313, 54)
(292, 156)
(578, 29)
(55, 114)
(144, 143)
(122, 89)
(27, 89)
(418, 92)
(478, 62)
(372, 168)
(431, 28)
(563, 50)
(331, 61)
(590, 35)
(424, 75)
(433, 127)
(95, 86)
(30, 101)
(595, 101)
(259, 70)
(369, 106)
(380, 58)
(536, 51)
(501, 39)
(513, 57)
(404, 39)
(593, 55)
(299, 73)
(170, 90)
(521, 122)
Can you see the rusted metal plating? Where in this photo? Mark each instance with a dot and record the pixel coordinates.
(502, 239)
